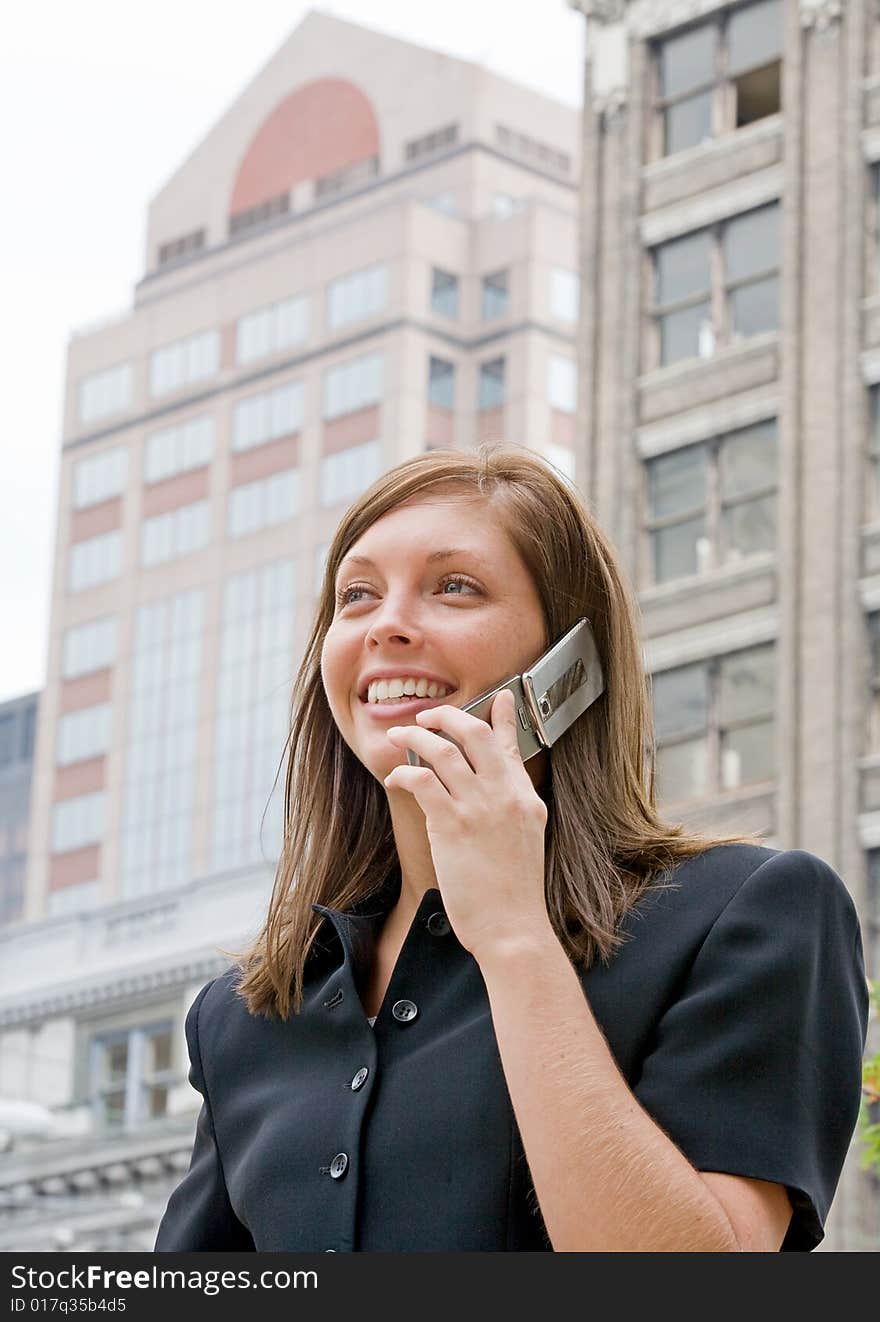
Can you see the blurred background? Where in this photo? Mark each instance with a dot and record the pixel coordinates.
(255, 261)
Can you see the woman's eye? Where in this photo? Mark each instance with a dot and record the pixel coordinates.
(347, 595)
(456, 582)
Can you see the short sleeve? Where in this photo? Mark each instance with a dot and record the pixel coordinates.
(199, 1216)
(755, 1068)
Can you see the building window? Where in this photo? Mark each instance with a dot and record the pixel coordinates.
(431, 143)
(131, 1074)
(82, 734)
(562, 389)
(8, 728)
(159, 806)
(178, 449)
(176, 533)
(99, 478)
(12, 870)
(95, 560)
(505, 205)
(271, 329)
(28, 729)
(490, 387)
(874, 222)
(88, 647)
(319, 562)
(441, 383)
(445, 203)
(444, 293)
(182, 247)
(563, 460)
(264, 503)
(344, 475)
(874, 447)
(718, 76)
(253, 691)
(540, 154)
(78, 821)
(873, 625)
(494, 301)
(871, 918)
(349, 177)
(267, 416)
(712, 504)
(105, 393)
(565, 291)
(357, 296)
(259, 215)
(353, 385)
(713, 724)
(184, 362)
(716, 286)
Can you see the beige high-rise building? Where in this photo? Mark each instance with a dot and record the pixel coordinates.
(729, 422)
(374, 251)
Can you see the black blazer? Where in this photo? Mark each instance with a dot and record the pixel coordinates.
(737, 1013)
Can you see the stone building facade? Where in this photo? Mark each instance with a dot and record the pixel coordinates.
(729, 421)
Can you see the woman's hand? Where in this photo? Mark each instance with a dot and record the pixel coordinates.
(485, 823)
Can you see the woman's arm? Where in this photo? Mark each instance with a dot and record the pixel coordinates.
(606, 1176)
(199, 1215)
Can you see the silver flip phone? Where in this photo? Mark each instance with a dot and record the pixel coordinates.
(550, 696)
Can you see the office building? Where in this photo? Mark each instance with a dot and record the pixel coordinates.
(372, 252)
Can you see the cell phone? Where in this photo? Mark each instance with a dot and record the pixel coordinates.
(550, 695)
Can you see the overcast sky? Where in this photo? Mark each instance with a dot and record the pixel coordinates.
(100, 102)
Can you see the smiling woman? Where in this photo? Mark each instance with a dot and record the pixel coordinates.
(499, 1004)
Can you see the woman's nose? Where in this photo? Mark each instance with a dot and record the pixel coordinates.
(394, 617)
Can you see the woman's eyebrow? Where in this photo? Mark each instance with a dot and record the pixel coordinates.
(446, 554)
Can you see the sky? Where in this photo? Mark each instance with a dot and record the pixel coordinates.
(100, 103)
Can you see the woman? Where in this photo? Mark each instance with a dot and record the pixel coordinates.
(505, 1006)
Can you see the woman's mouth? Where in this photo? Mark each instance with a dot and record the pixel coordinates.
(396, 709)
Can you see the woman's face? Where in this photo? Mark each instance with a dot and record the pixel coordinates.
(470, 619)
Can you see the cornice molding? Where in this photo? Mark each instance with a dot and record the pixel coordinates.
(112, 988)
(92, 1179)
(601, 11)
(611, 106)
(822, 15)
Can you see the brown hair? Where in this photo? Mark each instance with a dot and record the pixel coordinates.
(605, 843)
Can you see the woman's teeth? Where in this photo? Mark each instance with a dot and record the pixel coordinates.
(389, 690)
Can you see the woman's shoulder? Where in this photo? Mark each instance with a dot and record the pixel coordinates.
(724, 870)
(218, 1005)
(774, 885)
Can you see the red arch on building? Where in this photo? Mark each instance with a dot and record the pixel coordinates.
(325, 126)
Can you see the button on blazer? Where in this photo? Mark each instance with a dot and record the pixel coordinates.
(736, 1011)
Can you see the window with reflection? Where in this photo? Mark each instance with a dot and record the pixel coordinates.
(357, 296)
(871, 917)
(444, 293)
(717, 76)
(874, 447)
(490, 385)
(712, 504)
(346, 473)
(874, 224)
(131, 1075)
(255, 669)
(495, 295)
(713, 722)
(872, 622)
(441, 383)
(159, 789)
(716, 286)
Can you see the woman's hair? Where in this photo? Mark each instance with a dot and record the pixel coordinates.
(605, 842)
